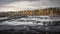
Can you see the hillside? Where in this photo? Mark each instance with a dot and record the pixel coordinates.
(47, 11)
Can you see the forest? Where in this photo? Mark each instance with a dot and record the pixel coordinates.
(47, 11)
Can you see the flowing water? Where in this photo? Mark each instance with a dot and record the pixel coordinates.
(20, 21)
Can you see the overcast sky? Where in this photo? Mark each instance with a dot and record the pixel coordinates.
(15, 5)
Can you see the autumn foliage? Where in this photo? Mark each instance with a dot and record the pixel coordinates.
(47, 11)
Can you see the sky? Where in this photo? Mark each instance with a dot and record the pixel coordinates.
(18, 5)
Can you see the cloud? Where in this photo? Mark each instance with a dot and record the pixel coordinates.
(3, 2)
(30, 4)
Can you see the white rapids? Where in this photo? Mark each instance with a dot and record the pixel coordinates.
(32, 20)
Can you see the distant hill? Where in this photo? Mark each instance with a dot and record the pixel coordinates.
(47, 11)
